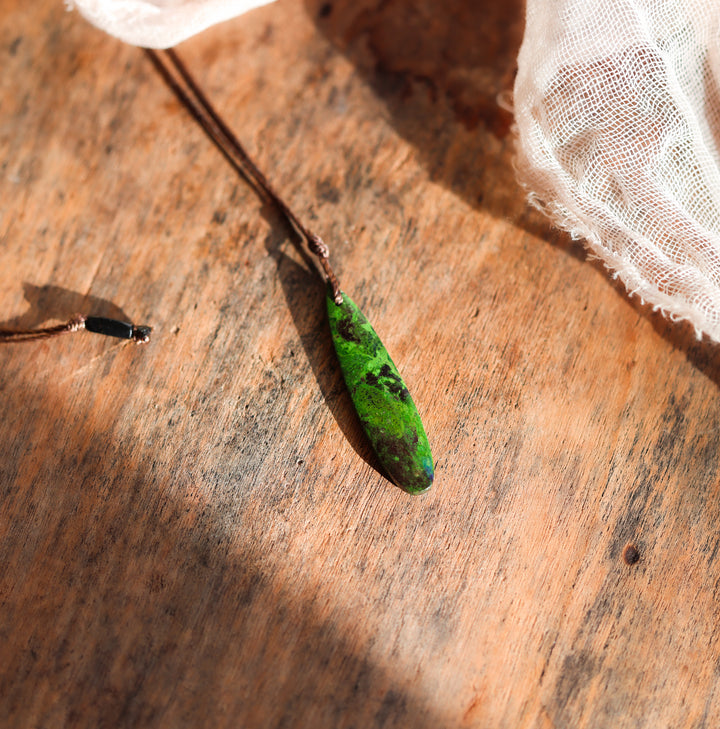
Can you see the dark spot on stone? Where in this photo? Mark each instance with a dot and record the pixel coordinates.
(371, 379)
(398, 389)
(15, 45)
(388, 446)
(393, 383)
(325, 10)
(219, 217)
(630, 554)
(346, 329)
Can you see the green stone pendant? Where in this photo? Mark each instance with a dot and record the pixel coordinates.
(387, 412)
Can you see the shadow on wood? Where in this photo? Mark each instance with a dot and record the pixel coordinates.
(703, 354)
(439, 69)
(129, 601)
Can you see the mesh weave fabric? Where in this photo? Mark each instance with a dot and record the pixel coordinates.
(617, 107)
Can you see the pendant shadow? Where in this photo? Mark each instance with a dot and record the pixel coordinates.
(305, 296)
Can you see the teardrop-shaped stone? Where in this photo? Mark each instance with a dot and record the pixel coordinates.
(383, 403)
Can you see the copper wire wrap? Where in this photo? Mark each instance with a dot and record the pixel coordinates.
(74, 324)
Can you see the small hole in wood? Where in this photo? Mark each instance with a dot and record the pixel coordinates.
(630, 554)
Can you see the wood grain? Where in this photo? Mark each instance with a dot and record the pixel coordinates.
(193, 533)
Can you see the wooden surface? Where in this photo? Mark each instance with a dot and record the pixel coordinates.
(192, 532)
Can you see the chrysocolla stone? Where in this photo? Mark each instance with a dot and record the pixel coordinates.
(387, 412)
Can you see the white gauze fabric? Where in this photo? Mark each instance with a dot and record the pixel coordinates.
(617, 107)
(159, 23)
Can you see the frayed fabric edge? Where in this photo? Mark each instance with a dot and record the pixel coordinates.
(619, 268)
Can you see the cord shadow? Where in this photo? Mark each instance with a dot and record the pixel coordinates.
(300, 287)
(305, 296)
(54, 302)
